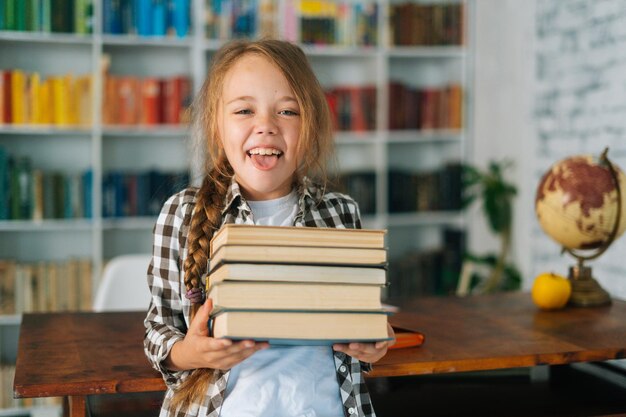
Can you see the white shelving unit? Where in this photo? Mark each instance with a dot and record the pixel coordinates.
(103, 148)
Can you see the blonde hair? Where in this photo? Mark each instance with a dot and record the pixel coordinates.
(315, 146)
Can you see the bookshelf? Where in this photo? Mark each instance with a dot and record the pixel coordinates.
(371, 60)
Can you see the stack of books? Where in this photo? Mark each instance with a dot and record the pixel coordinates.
(297, 285)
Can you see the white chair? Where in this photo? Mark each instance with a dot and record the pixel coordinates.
(123, 285)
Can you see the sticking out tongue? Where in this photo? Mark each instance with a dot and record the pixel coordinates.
(264, 162)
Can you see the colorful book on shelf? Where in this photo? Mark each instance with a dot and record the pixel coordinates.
(299, 326)
(270, 295)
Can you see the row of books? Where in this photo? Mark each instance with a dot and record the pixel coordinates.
(228, 19)
(325, 22)
(440, 189)
(69, 16)
(29, 193)
(427, 24)
(318, 22)
(146, 101)
(146, 17)
(426, 272)
(29, 98)
(66, 100)
(435, 190)
(425, 108)
(45, 286)
(297, 285)
(353, 108)
(308, 21)
(361, 186)
(126, 194)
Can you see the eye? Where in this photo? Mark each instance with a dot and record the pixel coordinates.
(243, 111)
(288, 113)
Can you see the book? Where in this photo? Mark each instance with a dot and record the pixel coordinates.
(241, 234)
(313, 255)
(301, 273)
(406, 337)
(299, 327)
(294, 296)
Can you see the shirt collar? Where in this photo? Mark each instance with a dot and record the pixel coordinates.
(233, 197)
(307, 192)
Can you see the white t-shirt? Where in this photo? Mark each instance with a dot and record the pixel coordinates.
(283, 381)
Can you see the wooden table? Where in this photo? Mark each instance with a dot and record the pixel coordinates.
(77, 355)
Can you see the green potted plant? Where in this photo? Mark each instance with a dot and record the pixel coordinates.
(497, 196)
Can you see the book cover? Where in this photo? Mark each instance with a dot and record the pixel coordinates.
(294, 296)
(239, 234)
(299, 327)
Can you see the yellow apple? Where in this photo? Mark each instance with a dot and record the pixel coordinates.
(551, 291)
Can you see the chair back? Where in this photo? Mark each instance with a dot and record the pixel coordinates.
(123, 285)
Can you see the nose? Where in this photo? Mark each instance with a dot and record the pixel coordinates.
(266, 125)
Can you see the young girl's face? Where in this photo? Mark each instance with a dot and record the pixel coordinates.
(259, 126)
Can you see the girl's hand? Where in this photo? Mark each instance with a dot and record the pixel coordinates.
(367, 352)
(198, 350)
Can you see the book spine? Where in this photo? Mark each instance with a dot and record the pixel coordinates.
(180, 17)
(45, 17)
(4, 184)
(159, 17)
(144, 17)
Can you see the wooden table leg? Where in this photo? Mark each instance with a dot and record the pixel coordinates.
(77, 406)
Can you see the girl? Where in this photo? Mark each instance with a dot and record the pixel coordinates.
(267, 131)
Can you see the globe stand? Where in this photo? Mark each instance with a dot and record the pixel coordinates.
(586, 291)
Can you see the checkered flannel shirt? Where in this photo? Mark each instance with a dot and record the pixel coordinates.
(168, 315)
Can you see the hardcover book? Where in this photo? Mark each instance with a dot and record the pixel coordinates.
(298, 255)
(299, 326)
(241, 234)
(295, 296)
(301, 273)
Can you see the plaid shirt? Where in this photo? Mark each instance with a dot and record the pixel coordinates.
(168, 315)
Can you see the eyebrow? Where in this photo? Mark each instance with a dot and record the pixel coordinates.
(250, 98)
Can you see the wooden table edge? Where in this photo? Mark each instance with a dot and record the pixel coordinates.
(493, 363)
(96, 388)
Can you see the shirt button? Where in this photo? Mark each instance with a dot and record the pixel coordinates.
(351, 410)
(342, 368)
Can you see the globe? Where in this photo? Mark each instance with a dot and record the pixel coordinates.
(581, 204)
(576, 202)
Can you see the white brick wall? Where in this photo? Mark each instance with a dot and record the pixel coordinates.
(580, 107)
